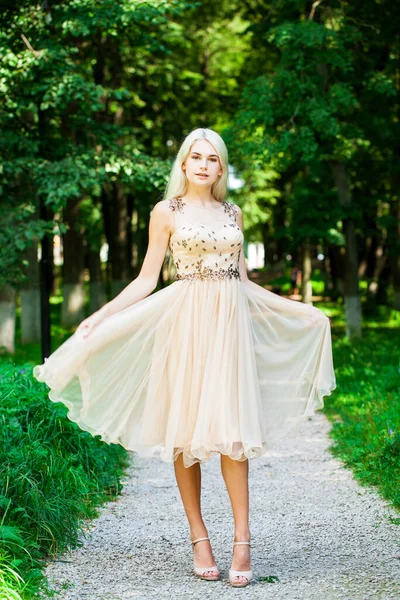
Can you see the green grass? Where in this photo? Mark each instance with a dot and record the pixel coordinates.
(12, 585)
(53, 477)
(365, 408)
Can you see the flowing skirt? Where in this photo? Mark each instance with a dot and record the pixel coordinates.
(200, 367)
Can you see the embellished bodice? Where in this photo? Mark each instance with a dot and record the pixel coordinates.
(206, 242)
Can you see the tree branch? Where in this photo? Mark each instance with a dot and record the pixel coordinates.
(313, 8)
(36, 53)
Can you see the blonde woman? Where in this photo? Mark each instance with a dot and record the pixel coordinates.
(211, 364)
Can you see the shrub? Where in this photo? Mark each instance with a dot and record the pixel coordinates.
(53, 476)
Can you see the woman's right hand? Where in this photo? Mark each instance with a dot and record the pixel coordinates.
(86, 327)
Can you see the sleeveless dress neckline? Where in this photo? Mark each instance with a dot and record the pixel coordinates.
(202, 207)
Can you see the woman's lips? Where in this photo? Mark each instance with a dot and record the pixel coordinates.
(200, 175)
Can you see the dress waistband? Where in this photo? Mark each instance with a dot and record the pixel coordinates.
(207, 273)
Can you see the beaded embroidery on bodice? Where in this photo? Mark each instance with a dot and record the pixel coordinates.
(206, 242)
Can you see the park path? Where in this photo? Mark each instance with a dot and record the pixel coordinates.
(313, 526)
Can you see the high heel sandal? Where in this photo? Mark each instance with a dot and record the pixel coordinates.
(206, 573)
(245, 574)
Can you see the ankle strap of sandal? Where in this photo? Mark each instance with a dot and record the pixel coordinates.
(199, 540)
(237, 543)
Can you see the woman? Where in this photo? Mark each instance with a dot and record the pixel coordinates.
(211, 364)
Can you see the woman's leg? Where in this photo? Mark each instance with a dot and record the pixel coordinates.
(236, 477)
(189, 484)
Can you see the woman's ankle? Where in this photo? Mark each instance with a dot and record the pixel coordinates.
(242, 534)
(198, 532)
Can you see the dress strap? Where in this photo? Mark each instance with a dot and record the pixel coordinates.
(180, 213)
(230, 208)
(176, 204)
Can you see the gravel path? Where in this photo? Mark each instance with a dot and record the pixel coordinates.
(313, 527)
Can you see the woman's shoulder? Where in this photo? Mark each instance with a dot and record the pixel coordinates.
(170, 204)
(161, 212)
(164, 206)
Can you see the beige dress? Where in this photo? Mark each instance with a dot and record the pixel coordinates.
(210, 364)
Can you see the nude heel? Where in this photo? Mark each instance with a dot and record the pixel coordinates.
(206, 573)
(245, 574)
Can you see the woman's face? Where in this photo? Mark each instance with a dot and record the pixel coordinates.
(202, 166)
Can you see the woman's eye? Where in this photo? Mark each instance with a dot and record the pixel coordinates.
(212, 159)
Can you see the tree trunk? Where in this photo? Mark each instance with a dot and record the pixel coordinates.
(375, 280)
(97, 293)
(336, 262)
(383, 283)
(268, 243)
(371, 253)
(115, 205)
(306, 286)
(329, 283)
(394, 251)
(7, 319)
(116, 217)
(72, 312)
(351, 290)
(372, 260)
(279, 218)
(30, 298)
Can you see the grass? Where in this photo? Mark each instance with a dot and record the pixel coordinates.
(365, 408)
(53, 478)
(12, 585)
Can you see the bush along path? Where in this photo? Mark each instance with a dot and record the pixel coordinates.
(53, 478)
(316, 533)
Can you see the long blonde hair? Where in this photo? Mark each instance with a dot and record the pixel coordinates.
(177, 183)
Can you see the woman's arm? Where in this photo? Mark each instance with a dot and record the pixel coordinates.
(160, 228)
(242, 261)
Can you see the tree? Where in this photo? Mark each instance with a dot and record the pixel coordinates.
(313, 111)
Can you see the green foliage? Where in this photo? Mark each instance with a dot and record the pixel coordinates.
(269, 579)
(74, 116)
(303, 107)
(285, 283)
(324, 79)
(12, 586)
(101, 93)
(53, 476)
(18, 228)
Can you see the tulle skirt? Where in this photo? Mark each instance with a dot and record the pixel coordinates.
(200, 367)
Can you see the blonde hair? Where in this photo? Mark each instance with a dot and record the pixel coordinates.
(178, 183)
